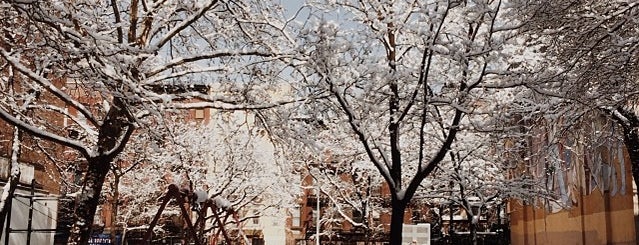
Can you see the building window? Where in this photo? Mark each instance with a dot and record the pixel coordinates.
(257, 241)
(417, 216)
(295, 217)
(199, 113)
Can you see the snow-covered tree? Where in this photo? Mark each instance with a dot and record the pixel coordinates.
(101, 68)
(404, 75)
(14, 177)
(348, 187)
(477, 176)
(229, 157)
(594, 49)
(327, 162)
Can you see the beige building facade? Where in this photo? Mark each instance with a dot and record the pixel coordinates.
(588, 173)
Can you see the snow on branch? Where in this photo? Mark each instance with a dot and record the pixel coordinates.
(341, 212)
(80, 122)
(35, 131)
(230, 106)
(363, 138)
(617, 115)
(211, 55)
(15, 62)
(183, 73)
(183, 25)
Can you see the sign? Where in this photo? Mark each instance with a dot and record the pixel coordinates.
(418, 234)
(102, 239)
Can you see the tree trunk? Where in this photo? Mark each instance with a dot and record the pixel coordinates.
(631, 141)
(472, 227)
(397, 221)
(12, 183)
(115, 129)
(629, 122)
(88, 200)
(7, 195)
(630, 126)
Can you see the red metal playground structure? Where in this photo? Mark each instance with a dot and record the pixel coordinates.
(221, 210)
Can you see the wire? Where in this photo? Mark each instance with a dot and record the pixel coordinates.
(33, 208)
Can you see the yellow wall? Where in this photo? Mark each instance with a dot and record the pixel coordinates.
(596, 219)
(600, 202)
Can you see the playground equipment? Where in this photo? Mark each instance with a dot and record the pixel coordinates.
(221, 210)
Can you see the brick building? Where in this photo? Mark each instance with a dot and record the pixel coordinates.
(39, 182)
(435, 218)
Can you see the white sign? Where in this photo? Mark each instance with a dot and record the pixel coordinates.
(418, 234)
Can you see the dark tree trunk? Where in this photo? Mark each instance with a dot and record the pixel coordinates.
(397, 221)
(472, 228)
(631, 141)
(630, 126)
(113, 135)
(89, 199)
